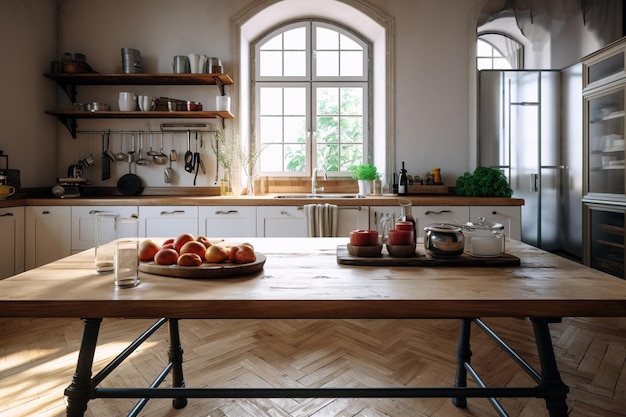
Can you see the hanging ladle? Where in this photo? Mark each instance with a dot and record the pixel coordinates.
(140, 160)
(160, 158)
(150, 151)
(121, 156)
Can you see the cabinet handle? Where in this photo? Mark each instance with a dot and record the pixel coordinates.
(437, 212)
(350, 208)
(167, 213)
(6, 215)
(45, 212)
(227, 212)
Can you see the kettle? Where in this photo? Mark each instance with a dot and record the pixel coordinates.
(75, 171)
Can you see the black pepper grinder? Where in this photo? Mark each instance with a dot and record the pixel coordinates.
(403, 185)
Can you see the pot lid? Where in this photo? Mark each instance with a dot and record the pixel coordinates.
(483, 224)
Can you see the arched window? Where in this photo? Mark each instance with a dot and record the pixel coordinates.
(311, 89)
(497, 51)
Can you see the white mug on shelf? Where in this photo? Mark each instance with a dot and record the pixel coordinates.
(127, 101)
(146, 103)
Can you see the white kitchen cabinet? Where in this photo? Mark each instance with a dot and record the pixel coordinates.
(227, 221)
(509, 216)
(167, 221)
(84, 223)
(280, 221)
(352, 218)
(48, 234)
(377, 212)
(425, 215)
(289, 221)
(12, 237)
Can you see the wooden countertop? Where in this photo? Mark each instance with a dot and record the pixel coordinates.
(262, 200)
(302, 279)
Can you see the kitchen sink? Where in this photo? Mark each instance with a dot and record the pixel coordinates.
(320, 195)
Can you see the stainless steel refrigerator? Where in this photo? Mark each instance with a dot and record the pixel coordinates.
(521, 132)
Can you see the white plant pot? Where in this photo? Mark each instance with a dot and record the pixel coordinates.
(365, 187)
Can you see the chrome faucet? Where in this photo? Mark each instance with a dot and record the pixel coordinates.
(314, 188)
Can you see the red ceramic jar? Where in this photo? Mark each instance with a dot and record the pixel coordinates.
(401, 237)
(363, 237)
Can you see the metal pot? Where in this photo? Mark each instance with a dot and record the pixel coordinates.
(443, 240)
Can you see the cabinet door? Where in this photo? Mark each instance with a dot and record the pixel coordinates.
(425, 215)
(604, 142)
(48, 234)
(280, 221)
(227, 221)
(167, 221)
(509, 216)
(84, 223)
(605, 238)
(351, 218)
(377, 213)
(12, 237)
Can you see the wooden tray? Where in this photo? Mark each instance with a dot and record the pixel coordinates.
(207, 271)
(423, 259)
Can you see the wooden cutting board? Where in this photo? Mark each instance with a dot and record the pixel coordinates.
(423, 259)
(206, 271)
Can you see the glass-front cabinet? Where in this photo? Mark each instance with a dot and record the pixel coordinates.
(605, 145)
(604, 194)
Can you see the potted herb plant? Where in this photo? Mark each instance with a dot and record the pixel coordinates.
(365, 174)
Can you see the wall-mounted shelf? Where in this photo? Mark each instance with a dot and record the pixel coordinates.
(68, 83)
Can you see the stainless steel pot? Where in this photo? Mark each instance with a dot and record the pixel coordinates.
(443, 240)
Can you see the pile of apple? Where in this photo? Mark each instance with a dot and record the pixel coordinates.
(186, 250)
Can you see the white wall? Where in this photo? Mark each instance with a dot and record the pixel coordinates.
(434, 95)
(28, 44)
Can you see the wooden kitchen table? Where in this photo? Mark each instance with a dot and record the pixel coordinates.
(302, 279)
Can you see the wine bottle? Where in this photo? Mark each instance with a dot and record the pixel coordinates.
(403, 184)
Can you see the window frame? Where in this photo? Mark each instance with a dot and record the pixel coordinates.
(313, 81)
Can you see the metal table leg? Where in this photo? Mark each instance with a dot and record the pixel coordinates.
(463, 355)
(80, 390)
(555, 389)
(175, 355)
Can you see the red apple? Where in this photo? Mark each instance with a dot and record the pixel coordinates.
(216, 254)
(166, 257)
(189, 259)
(193, 246)
(181, 240)
(147, 249)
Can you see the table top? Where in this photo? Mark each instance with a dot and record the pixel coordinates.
(302, 279)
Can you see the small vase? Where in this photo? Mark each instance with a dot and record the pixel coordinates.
(225, 184)
(250, 185)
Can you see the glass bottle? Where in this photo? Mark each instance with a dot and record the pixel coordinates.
(403, 186)
(406, 215)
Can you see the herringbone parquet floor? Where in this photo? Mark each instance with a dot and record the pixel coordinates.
(37, 359)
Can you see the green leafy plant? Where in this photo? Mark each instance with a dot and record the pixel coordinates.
(483, 182)
(364, 172)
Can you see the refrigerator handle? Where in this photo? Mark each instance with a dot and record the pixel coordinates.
(533, 183)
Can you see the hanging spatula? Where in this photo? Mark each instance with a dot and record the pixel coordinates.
(106, 159)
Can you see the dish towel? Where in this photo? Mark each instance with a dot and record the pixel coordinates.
(321, 219)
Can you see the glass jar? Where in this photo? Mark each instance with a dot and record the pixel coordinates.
(484, 238)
